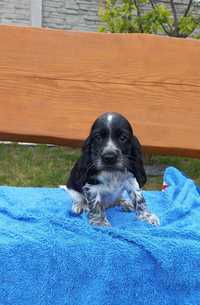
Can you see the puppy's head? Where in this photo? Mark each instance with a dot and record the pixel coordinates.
(112, 145)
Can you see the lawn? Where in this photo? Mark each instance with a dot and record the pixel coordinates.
(50, 166)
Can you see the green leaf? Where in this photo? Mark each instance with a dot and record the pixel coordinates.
(187, 25)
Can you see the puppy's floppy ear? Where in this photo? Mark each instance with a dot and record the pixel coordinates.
(78, 175)
(137, 165)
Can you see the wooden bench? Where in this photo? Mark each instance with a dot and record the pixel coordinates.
(53, 84)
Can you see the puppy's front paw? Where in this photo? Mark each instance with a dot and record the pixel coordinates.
(153, 220)
(150, 218)
(100, 222)
(126, 206)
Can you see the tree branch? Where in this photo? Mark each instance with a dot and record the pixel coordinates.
(163, 26)
(188, 8)
(176, 30)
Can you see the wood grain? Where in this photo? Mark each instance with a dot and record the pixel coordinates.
(54, 83)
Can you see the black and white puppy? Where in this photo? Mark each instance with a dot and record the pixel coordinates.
(110, 164)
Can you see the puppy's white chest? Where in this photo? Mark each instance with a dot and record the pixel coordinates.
(113, 184)
(112, 179)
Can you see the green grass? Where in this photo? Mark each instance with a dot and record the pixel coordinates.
(35, 165)
(50, 166)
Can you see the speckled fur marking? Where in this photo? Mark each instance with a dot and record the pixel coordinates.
(109, 193)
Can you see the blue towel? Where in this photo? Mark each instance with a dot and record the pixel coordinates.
(48, 256)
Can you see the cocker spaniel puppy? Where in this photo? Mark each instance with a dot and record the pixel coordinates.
(109, 171)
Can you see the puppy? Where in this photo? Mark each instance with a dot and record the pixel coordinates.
(109, 168)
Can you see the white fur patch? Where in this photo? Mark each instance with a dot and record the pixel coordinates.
(113, 184)
(109, 118)
(78, 203)
(110, 146)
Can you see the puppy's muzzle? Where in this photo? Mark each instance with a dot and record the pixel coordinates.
(110, 157)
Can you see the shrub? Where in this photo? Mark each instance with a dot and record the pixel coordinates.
(149, 16)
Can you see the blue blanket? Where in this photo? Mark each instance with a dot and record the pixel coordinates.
(50, 257)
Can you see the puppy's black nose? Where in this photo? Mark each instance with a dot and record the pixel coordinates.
(110, 157)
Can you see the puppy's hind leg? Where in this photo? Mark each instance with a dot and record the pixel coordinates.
(78, 202)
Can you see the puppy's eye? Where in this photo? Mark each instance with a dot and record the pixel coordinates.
(98, 138)
(123, 138)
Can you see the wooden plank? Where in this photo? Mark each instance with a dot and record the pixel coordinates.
(53, 84)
